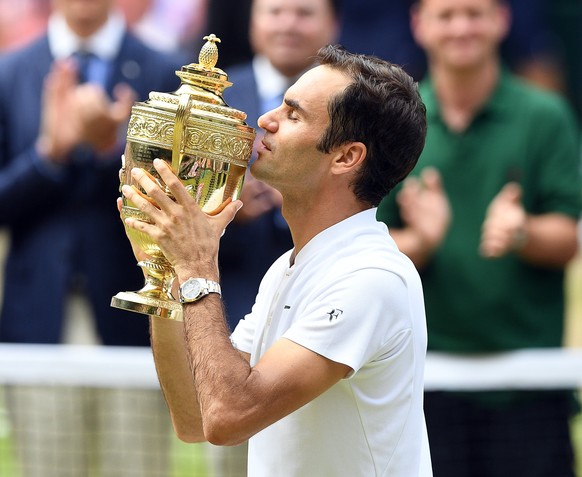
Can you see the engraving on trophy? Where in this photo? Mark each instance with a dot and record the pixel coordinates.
(208, 145)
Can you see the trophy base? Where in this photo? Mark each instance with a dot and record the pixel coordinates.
(133, 301)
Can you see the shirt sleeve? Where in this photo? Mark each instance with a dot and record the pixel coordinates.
(243, 335)
(557, 161)
(355, 318)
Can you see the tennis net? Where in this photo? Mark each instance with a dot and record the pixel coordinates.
(96, 411)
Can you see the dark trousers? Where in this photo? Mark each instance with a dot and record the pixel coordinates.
(526, 437)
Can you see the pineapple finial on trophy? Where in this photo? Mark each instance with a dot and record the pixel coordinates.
(208, 56)
(205, 74)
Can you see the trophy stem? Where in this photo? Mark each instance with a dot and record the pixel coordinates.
(155, 298)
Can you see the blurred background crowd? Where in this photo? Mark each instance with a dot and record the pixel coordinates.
(543, 46)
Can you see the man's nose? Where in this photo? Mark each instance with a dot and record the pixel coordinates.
(268, 121)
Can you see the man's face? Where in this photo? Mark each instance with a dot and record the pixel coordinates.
(289, 32)
(288, 158)
(460, 34)
(79, 13)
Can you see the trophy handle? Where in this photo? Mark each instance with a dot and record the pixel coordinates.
(184, 106)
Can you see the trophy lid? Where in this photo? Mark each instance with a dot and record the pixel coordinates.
(204, 83)
(194, 120)
(204, 74)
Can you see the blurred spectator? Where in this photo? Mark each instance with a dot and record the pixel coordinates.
(60, 148)
(285, 35)
(63, 141)
(489, 217)
(535, 47)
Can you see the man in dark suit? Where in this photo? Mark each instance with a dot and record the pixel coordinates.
(64, 141)
(64, 104)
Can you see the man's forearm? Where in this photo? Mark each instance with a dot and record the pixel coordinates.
(176, 378)
(551, 240)
(220, 371)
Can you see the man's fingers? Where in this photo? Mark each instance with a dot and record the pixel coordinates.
(174, 184)
(431, 179)
(141, 201)
(125, 97)
(153, 192)
(511, 192)
(229, 211)
(227, 214)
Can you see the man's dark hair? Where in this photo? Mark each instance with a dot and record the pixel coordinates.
(382, 109)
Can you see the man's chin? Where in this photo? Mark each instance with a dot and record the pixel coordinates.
(258, 172)
(254, 169)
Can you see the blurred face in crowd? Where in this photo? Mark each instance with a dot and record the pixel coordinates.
(289, 32)
(84, 17)
(134, 10)
(460, 34)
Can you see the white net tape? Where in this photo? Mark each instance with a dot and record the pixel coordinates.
(524, 369)
(101, 366)
(77, 365)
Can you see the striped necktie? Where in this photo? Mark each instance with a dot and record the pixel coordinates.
(84, 60)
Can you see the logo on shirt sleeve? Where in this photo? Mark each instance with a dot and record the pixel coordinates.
(335, 314)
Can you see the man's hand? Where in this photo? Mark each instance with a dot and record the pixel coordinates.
(425, 210)
(99, 117)
(74, 114)
(60, 128)
(504, 228)
(139, 254)
(188, 237)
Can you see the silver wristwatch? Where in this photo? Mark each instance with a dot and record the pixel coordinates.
(195, 288)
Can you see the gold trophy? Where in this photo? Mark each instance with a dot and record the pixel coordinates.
(208, 145)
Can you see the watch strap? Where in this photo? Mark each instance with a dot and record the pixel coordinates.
(207, 287)
(212, 286)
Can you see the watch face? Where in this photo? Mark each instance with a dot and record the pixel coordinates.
(191, 289)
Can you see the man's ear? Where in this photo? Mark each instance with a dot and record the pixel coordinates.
(504, 12)
(348, 157)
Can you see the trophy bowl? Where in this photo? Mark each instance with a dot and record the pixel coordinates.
(208, 145)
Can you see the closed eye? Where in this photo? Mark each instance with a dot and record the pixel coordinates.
(294, 110)
(292, 115)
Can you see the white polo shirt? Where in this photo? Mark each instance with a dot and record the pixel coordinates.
(352, 297)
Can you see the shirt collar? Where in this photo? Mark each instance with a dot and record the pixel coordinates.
(499, 102)
(496, 104)
(270, 82)
(105, 43)
(342, 231)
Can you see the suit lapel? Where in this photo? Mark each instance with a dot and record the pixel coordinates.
(243, 95)
(42, 60)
